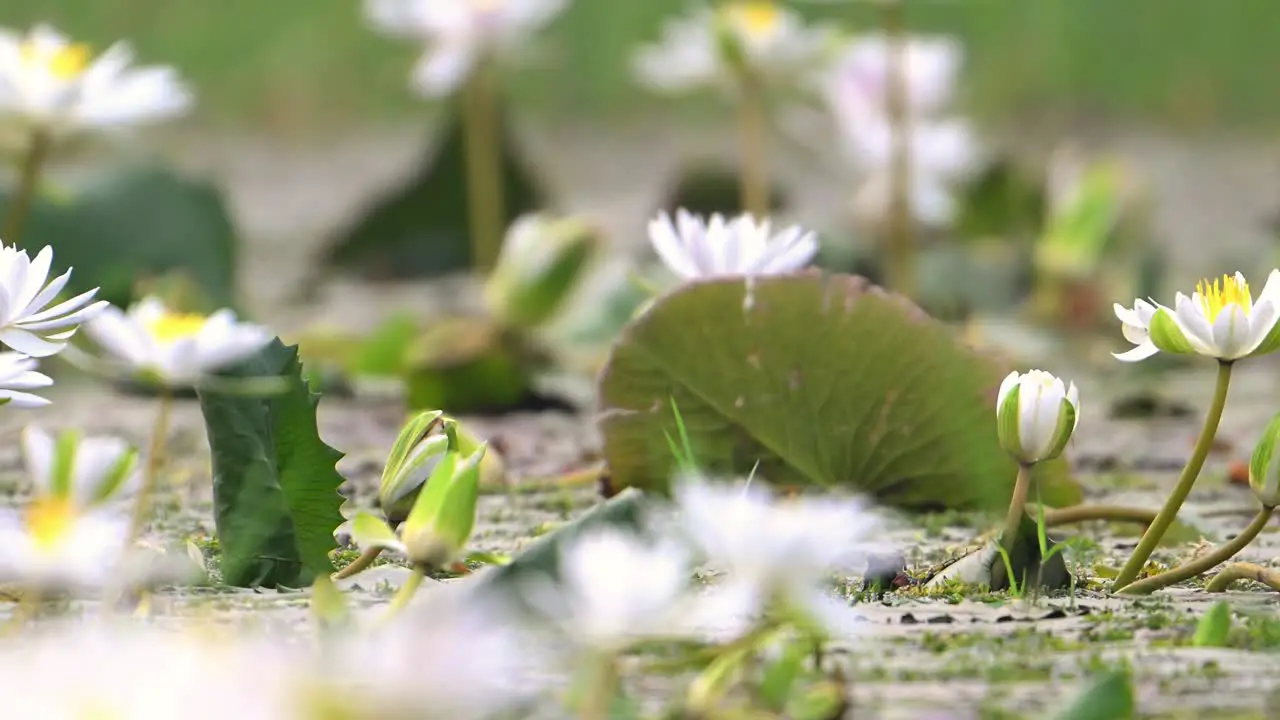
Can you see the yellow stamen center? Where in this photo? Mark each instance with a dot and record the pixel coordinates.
(49, 520)
(175, 326)
(1215, 297)
(754, 18)
(64, 63)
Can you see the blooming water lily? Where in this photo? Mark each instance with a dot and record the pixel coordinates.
(694, 248)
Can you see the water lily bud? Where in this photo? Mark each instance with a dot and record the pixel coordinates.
(422, 442)
(1035, 415)
(1264, 468)
(441, 521)
(542, 261)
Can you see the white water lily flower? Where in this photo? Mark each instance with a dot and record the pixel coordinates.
(17, 375)
(86, 470)
(52, 544)
(1035, 415)
(175, 348)
(27, 322)
(773, 550)
(694, 248)
(714, 47)
(51, 85)
(614, 588)
(941, 151)
(1219, 320)
(930, 66)
(460, 33)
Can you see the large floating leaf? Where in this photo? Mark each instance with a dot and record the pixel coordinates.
(420, 229)
(129, 226)
(274, 484)
(824, 380)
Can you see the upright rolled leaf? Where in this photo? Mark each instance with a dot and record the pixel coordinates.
(821, 379)
(275, 485)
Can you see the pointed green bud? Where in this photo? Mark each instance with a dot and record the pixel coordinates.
(1264, 467)
(441, 522)
(1035, 415)
(543, 260)
(421, 443)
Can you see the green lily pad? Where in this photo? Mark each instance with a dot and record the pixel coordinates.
(134, 225)
(466, 365)
(822, 380)
(421, 228)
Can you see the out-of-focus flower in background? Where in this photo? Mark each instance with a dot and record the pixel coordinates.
(86, 470)
(941, 149)
(695, 248)
(460, 34)
(174, 348)
(55, 88)
(715, 47)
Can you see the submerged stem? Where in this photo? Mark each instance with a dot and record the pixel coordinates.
(1205, 562)
(1084, 513)
(155, 462)
(753, 147)
(1168, 513)
(482, 139)
(900, 267)
(1243, 571)
(28, 181)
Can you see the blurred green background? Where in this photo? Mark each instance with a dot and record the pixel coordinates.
(310, 65)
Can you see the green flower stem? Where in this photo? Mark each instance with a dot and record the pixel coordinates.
(486, 213)
(1157, 529)
(28, 182)
(1243, 571)
(900, 269)
(1205, 562)
(406, 592)
(365, 559)
(151, 473)
(753, 128)
(1017, 508)
(599, 696)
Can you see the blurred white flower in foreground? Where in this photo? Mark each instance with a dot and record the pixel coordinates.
(773, 550)
(50, 85)
(86, 470)
(460, 33)
(456, 656)
(1219, 320)
(718, 47)
(694, 248)
(175, 348)
(27, 322)
(941, 150)
(74, 671)
(614, 588)
(17, 375)
(52, 544)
